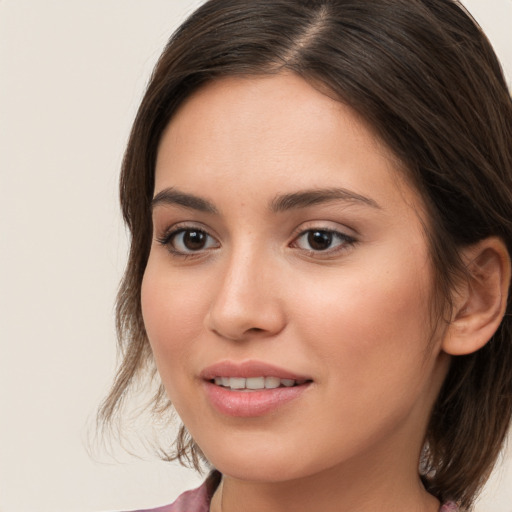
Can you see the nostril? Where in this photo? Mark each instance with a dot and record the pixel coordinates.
(235, 318)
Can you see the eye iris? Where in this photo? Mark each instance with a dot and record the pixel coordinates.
(194, 240)
(319, 240)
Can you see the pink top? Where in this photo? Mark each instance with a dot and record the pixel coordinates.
(198, 500)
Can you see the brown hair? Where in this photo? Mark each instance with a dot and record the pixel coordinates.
(423, 74)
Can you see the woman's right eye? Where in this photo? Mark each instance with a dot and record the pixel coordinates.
(187, 241)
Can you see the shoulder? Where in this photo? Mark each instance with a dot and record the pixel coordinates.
(196, 500)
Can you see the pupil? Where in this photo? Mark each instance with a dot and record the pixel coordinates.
(320, 240)
(194, 240)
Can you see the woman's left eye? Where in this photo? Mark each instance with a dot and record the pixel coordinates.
(322, 240)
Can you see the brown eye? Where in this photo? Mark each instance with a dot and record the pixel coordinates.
(188, 241)
(320, 240)
(194, 240)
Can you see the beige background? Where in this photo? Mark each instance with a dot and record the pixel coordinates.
(71, 75)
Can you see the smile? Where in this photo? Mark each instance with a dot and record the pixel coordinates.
(251, 388)
(255, 383)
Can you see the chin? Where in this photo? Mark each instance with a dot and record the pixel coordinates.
(265, 471)
(264, 463)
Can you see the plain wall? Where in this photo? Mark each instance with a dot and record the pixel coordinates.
(71, 75)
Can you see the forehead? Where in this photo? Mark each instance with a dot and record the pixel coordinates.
(275, 131)
(283, 103)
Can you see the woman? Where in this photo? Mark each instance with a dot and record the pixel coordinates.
(320, 200)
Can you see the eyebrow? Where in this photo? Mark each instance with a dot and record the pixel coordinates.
(281, 203)
(306, 198)
(172, 196)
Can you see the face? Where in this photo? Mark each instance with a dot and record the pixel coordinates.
(287, 293)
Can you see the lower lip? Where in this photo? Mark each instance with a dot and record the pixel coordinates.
(247, 404)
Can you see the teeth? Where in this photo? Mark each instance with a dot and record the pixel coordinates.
(272, 382)
(237, 382)
(254, 383)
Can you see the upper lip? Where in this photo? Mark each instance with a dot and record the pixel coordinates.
(248, 369)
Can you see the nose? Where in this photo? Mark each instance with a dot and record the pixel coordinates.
(247, 300)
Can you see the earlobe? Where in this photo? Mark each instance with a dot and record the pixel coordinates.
(482, 300)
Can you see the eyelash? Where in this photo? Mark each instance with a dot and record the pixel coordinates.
(345, 241)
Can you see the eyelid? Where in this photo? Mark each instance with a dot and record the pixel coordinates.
(171, 228)
(324, 225)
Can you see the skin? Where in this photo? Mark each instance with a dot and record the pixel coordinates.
(354, 317)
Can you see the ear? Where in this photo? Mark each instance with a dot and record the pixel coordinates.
(480, 302)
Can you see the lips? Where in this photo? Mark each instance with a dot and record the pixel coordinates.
(249, 369)
(251, 388)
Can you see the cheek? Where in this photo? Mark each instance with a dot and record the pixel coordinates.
(172, 318)
(372, 337)
(374, 323)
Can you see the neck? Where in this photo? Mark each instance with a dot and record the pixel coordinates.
(362, 486)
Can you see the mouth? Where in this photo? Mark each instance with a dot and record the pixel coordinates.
(252, 388)
(256, 383)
